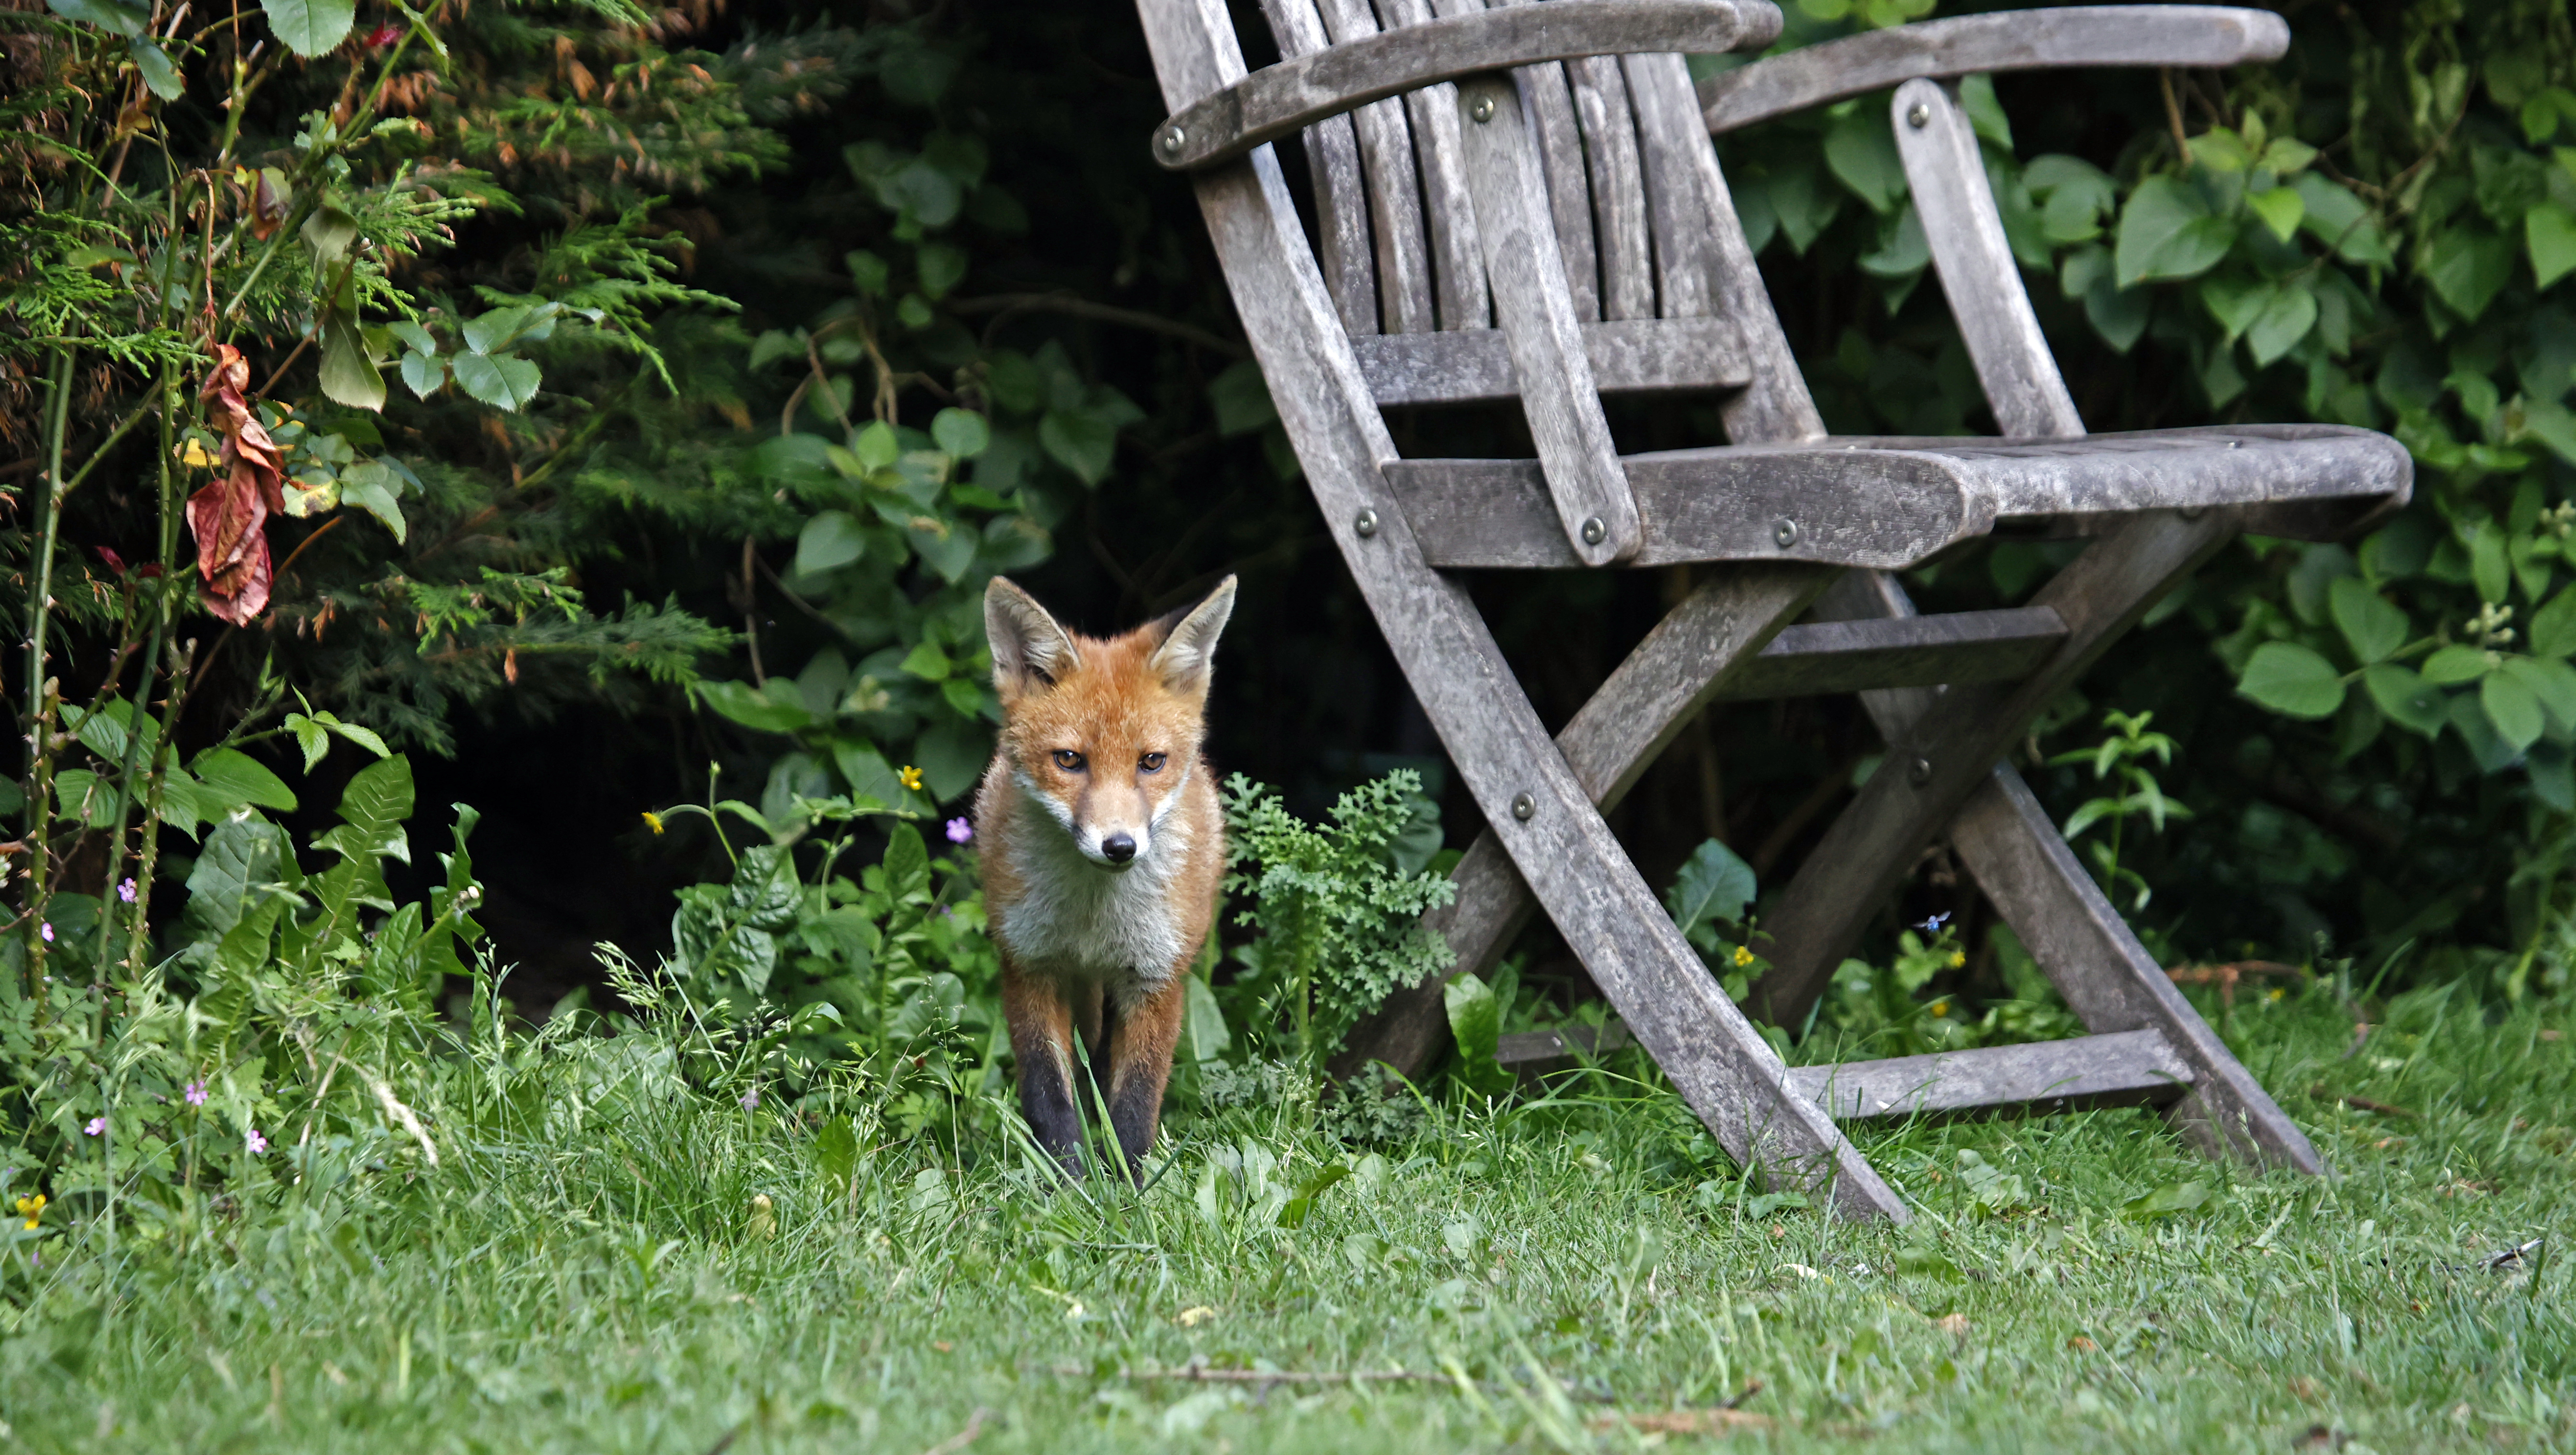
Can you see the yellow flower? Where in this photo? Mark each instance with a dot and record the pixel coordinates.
(910, 776)
(653, 821)
(29, 1207)
(1744, 954)
(1940, 1007)
(1958, 958)
(2275, 995)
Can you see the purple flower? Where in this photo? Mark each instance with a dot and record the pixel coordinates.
(48, 932)
(196, 1093)
(751, 1099)
(125, 891)
(960, 831)
(255, 1142)
(96, 1126)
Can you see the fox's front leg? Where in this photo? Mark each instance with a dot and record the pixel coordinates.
(1041, 1021)
(1140, 1063)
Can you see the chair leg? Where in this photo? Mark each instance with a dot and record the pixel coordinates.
(2025, 868)
(1942, 757)
(1680, 666)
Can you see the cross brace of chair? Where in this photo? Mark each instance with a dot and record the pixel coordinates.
(1950, 694)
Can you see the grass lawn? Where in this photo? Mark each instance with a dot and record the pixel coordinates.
(1575, 1273)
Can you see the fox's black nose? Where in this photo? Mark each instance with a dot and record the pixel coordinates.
(1119, 848)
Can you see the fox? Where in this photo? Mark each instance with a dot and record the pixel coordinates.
(1103, 849)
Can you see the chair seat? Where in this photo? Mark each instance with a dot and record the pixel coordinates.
(1889, 502)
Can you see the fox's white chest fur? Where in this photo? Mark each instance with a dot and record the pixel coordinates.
(1077, 920)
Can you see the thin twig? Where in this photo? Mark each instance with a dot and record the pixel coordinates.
(964, 1437)
(1006, 304)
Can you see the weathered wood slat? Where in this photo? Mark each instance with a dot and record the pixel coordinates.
(1668, 136)
(1580, 473)
(1458, 263)
(1548, 97)
(1394, 185)
(1618, 186)
(1938, 761)
(1978, 272)
(2127, 1068)
(2025, 869)
(1341, 195)
(1889, 503)
(2006, 40)
(1919, 651)
(1626, 357)
(1365, 65)
(1683, 664)
(1715, 1059)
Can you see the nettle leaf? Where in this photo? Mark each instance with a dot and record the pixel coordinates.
(311, 27)
(2169, 231)
(2371, 624)
(2292, 680)
(1714, 884)
(505, 381)
(2406, 698)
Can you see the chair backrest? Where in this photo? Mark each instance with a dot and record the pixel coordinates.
(1662, 281)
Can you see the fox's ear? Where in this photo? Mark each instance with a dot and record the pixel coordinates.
(1188, 652)
(1029, 649)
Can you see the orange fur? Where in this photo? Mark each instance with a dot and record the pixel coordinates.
(1102, 847)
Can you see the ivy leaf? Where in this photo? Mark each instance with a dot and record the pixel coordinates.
(2292, 681)
(1241, 398)
(311, 27)
(2341, 221)
(2468, 266)
(2289, 311)
(1861, 150)
(2549, 231)
(2406, 699)
(961, 432)
(2512, 707)
(2168, 231)
(2371, 624)
(158, 73)
(1714, 884)
(503, 380)
(831, 540)
(1080, 442)
(115, 15)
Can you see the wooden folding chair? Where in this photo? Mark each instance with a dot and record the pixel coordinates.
(1522, 202)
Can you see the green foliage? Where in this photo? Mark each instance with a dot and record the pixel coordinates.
(1337, 909)
(2121, 761)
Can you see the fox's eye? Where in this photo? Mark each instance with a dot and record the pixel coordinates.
(1069, 760)
(1151, 763)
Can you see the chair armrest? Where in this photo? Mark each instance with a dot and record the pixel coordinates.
(1279, 100)
(2009, 40)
